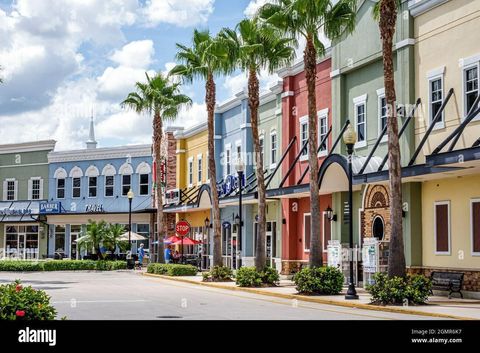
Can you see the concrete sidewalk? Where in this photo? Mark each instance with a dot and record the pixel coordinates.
(442, 307)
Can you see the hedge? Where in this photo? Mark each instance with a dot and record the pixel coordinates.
(250, 277)
(319, 280)
(172, 269)
(414, 289)
(62, 265)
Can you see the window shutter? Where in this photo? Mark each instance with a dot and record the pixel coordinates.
(30, 187)
(307, 230)
(476, 226)
(5, 186)
(16, 190)
(41, 189)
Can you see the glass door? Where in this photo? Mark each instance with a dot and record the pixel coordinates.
(75, 231)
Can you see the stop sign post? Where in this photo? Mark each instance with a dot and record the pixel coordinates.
(182, 228)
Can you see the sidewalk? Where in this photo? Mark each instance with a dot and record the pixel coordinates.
(460, 309)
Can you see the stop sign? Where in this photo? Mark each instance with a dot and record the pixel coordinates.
(182, 228)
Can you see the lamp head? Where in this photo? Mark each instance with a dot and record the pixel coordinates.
(240, 165)
(350, 136)
(130, 194)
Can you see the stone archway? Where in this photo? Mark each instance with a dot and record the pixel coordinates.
(375, 215)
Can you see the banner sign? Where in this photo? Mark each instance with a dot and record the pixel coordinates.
(50, 207)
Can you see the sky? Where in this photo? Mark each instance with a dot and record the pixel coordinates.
(65, 60)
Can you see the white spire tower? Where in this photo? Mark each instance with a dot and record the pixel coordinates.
(91, 143)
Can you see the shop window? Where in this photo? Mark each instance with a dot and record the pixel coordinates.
(60, 240)
(144, 190)
(322, 133)
(144, 230)
(378, 228)
(442, 228)
(360, 121)
(92, 186)
(475, 210)
(190, 171)
(61, 188)
(76, 187)
(436, 99)
(306, 232)
(109, 185)
(10, 190)
(199, 168)
(304, 136)
(382, 114)
(126, 184)
(273, 149)
(470, 78)
(35, 186)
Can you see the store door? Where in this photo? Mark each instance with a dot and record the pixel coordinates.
(270, 242)
(21, 242)
(75, 232)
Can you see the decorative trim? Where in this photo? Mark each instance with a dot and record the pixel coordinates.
(217, 137)
(75, 172)
(436, 72)
(469, 60)
(323, 112)
(472, 249)
(243, 126)
(92, 171)
(60, 173)
(435, 204)
(278, 111)
(381, 92)
(47, 145)
(180, 151)
(418, 7)
(22, 165)
(334, 73)
(360, 99)
(192, 131)
(100, 153)
(404, 43)
(287, 94)
(143, 168)
(298, 67)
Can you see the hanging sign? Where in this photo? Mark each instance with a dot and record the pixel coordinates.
(370, 255)
(334, 254)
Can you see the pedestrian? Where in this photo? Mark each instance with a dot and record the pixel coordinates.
(168, 255)
(141, 254)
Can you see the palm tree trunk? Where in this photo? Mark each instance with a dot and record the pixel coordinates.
(212, 171)
(396, 259)
(254, 102)
(157, 142)
(310, 60)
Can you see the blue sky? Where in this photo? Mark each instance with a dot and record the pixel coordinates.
(63, 59)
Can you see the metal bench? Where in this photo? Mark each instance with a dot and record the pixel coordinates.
(451, 281)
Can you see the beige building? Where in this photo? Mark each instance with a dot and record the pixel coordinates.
(447, 133)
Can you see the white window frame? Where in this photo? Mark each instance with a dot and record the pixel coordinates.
(190, 171)
(112, 186)
(434, 75)
(15, 189)
(199, 168)
(80, 187)
(228, 159)
(380, 96)
(96, 187)
(273, 152)
(464, 82)
(303, 121)
(64, 188)
(40, 188)
(140, 184)
(472, 201)
(358, 101)
(303, 232)
(435, 204)
(238, 144)
(123, 184)
(322, 114)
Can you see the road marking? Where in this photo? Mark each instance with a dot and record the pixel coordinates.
(225, 292)
(101, 301)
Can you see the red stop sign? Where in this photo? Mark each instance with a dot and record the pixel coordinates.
(182, 228)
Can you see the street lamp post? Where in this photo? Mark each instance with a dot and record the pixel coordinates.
(350, 138)
(240, 167)
(206, 239)
(130, 196)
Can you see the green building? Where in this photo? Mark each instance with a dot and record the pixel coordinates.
(24, 185)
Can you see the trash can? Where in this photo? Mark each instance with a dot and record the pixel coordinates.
(130, 261)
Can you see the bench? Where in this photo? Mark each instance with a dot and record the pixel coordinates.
(451, 281)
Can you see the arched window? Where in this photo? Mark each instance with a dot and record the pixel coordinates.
(144, 170)
(60, 176)
(76, 174)
(92, 174)
(126, 172)
(109, 172)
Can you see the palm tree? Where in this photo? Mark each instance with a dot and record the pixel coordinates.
(162, 98)
(93, 238)
(204, 60)
(254, 46)
(386, 12)
(306, 18)
(112, 237)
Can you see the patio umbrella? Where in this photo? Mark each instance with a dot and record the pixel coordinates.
(81, 238)
(186, 241)
(133, 236)
(172, 239)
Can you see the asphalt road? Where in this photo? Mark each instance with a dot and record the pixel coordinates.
(126, 295)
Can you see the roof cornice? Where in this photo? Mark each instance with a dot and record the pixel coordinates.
(231, 102)
(192, 131)
(419, 7)
(298, 67)
(46, 145)
(100, 153)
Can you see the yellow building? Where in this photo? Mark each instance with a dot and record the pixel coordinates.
(190, 201)
(447, 134)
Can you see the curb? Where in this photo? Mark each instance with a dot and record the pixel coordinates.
(312, 299)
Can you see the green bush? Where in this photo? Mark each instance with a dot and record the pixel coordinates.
(248, 277)
(414, 288)
(172, 269)
(24, 303)
(62, 265)
(270, 276)
(319, 280)
(13, 265)
(218, 274)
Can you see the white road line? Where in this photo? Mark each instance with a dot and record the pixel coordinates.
(100, 301)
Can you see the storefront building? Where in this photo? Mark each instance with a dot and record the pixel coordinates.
(358, 98)
(92, 184)
(24, 176)
(447, 60)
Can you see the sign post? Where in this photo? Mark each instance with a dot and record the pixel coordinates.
(182, 228)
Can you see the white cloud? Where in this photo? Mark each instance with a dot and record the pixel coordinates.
(236, 83)
(253, 7)
(137, 54)
(182, 13)
(194, 115)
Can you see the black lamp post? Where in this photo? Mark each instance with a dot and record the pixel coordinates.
(350, 138)
(130, 196)
(206, 240)
(240, 167)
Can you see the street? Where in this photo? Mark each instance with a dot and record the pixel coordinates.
(123, 295)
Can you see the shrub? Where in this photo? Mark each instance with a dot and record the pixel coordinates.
(218, 274)
(248, 277)
(172, 269)
(319, 280)
(270, 276)
(13, 265)
(24, 303)
(414, 288)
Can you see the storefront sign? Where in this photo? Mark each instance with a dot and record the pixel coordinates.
(182, 228)
(172, 196)
(94, 209)
(334, 254)
(15, 212)
(229, 184)
(226, 225)
(50, 207)
(370, 255)
(346, 212)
